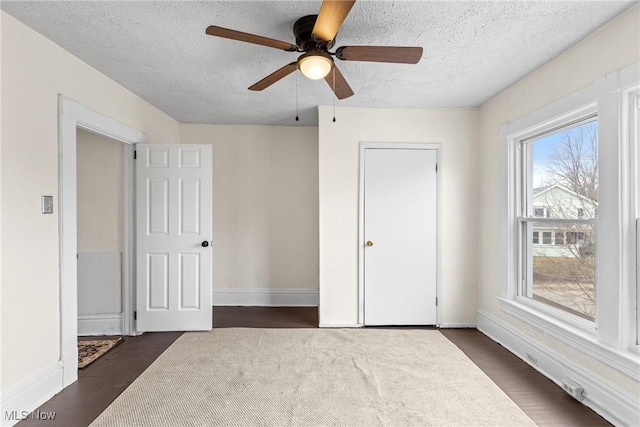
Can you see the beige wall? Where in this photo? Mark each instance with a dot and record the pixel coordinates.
(100, 193)
(611, 48)
(457, 131)
(265, 204)
(100, 190)
(34, 72)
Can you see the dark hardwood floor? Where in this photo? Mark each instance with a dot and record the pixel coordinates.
(101, 382)
(265, 317)
(539, 397)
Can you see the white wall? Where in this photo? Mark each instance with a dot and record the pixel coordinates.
(34, 72)
(339, 143)
(611, 48)
(265, 205)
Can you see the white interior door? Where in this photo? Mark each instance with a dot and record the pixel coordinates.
(174, 232)
(400, 237)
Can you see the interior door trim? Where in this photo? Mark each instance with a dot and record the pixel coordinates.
(71, 116)
(361, 242)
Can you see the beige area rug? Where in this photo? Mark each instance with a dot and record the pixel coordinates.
(313, 377)
(90, 350)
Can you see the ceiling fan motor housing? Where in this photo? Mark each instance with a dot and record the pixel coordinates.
(303, 29)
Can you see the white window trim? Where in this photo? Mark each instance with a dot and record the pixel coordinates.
(611, 342)
(631, 139)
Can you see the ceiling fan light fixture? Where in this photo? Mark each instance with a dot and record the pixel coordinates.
(315, 65)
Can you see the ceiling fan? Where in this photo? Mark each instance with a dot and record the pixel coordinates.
(315, 36)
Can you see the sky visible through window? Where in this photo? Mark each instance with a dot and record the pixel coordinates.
(550, 147)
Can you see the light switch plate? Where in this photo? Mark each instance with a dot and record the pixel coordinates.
(47, 204)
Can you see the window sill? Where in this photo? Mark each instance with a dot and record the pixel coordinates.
(579, 335)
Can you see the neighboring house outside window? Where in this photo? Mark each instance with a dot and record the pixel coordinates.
(557, 201)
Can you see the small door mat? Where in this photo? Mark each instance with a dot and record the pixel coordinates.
(89, 351)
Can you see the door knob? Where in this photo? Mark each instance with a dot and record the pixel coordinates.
(369, 243)
(205, 244)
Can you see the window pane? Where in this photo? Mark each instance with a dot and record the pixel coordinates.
(565, 173)
(563, 274)
(559, 238)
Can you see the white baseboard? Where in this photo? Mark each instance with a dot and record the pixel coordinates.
(21, 399)
(265, 297)
(100, 324)
(340, 325)
(615, 405)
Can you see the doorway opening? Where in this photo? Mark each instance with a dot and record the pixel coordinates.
(101, 249)
(102, 259)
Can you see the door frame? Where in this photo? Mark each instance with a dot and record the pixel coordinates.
(72, 116)
(397, 146)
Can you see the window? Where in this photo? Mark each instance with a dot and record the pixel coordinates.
(554, 287)
(559, 170)
(543, 212)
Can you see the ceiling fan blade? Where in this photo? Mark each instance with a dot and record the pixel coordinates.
(342, 88)
(394, 54)
(250, 38)
(331, 16)
(274, 77)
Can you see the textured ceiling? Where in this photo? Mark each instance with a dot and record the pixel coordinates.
(159, 50)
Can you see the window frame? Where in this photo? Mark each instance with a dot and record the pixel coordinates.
(613, 338)
(526, 212)
(580, 110)
(631, 122)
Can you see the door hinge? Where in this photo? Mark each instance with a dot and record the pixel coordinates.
(436, 167)
(436, 300)
(135, 154)
(77, 256)
(135, 315)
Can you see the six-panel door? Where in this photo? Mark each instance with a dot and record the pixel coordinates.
(174, 237)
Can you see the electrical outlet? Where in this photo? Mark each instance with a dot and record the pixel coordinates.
(573, 388)
(47, 204)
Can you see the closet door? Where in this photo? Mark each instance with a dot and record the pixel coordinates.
(400, 225)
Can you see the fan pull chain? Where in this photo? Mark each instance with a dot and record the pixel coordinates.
(297, 118)
(335, 95)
